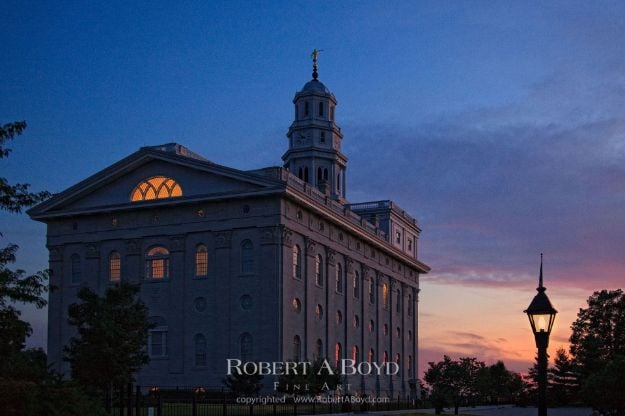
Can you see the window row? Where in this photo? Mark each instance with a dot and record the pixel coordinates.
(321, 110)
(157, 263)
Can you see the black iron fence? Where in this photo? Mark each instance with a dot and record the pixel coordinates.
(199, 401)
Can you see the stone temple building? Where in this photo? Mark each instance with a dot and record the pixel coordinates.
(271, 264)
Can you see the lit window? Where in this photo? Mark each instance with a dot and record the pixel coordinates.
(297, 305)
(319, 349)
(157, 187)
(115, 265)
(247, 257)
(297, 262)
(385, 295)
(297, 348)
(76, 271)
(356, 285)
(338, 353)
(201, 260)
(200, 350)
(319, 270)
(245, 341)
(355, 354)
(339, 278)
(157, 263)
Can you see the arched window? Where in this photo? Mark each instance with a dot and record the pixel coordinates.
(201, 260)
(371, 326)
(409, 305)
(356, 285)
(338, 182)
(397, 358)
(297, 348)
(410, 366)
(200, 350)
(319, 175)
(356, 321)
(338, 353)
(300, 173)
(398, 301)
(297, 262)
(339, 278)
(156, 187)
(319, 270)
(319, 312)
(372, 290)
(385, 357)
(297, 305)
(246, 345)
(385, 295)
(76, 271)
(157, 263)
(339, 317)
(247, 257)
(371, 355)
(115, 266)
(306, 174)
(325, 174)
(319, 350)
(355, 354)
(321, 109)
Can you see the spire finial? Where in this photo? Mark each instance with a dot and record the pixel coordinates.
(540, 277)
(314, 55)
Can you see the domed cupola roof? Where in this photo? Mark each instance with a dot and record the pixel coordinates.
(317, 86)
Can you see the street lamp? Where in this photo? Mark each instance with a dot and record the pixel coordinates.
(541, 315)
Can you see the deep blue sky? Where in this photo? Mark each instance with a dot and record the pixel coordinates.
(500, 126)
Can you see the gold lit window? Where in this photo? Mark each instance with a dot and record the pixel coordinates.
(201, 260)
(157, 263)
(157, 187)
(115, 266)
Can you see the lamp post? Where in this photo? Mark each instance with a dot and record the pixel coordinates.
(541, 315)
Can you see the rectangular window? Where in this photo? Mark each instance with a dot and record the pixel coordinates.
(306, 109)
(158, 268)
(157, 343)
(115, 268)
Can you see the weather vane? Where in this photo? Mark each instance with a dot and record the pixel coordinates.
(314, 55)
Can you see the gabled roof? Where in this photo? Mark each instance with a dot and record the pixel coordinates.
(173, 153)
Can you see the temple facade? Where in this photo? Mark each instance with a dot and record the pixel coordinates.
(271, 264)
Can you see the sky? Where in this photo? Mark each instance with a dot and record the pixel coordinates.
(499, 125)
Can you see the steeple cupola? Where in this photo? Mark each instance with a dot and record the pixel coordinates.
(314, 153)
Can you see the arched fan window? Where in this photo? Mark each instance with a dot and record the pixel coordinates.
(156, 187)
